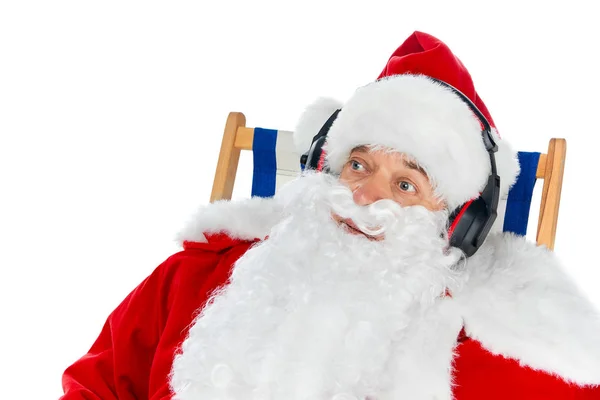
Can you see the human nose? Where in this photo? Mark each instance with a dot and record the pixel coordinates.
(371, 190)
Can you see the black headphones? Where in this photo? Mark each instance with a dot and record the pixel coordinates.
(469, 224)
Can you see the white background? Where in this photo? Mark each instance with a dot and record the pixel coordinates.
(111, 116)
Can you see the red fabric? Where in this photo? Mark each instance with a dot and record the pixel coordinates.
(132, 357)
(424, 54)
(482, 375)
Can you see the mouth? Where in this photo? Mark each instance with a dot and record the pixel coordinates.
(351, 228)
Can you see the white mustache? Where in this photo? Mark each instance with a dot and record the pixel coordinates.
(373, 219)
(383, 215)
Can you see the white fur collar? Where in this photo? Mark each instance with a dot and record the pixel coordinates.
(518, 301)
(246, 219)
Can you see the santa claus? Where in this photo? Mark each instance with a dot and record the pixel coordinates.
(373, 275)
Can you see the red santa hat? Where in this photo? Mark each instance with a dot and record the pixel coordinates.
(406, 110)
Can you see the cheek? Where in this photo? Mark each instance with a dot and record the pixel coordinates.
(345, 174)
(347, 178)
(431, 202)
(437, 205)
(407, 200)
(353, 185)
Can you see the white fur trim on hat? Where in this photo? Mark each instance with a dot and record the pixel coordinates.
(417, 116)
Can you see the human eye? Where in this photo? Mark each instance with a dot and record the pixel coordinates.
(406, 186)
(356, 165)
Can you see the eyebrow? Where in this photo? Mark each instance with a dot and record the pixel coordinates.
(413, 165)
(360, 149)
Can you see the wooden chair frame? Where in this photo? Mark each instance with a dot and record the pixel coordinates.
(551, 166)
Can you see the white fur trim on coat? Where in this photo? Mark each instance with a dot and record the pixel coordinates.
(517, 301)
(520, 303)
(246, 219)
(417, 116)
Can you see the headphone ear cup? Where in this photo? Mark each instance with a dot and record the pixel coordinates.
(315, 156)
(466, 225)
(455, 229)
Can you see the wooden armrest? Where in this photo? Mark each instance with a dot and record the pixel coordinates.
(551, 168)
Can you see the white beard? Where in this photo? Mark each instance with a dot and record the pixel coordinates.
(315, 312)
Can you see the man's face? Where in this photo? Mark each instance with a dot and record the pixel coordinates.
(374, 175)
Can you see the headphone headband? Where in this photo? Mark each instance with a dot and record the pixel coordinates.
(317, 144)
(488, 139)
(471, 223)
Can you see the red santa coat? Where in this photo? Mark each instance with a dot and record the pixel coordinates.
(528, 333)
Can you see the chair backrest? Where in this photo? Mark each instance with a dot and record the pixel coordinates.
(276, 162)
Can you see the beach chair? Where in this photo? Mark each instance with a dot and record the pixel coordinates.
(275, 162)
